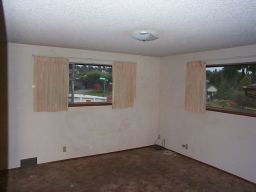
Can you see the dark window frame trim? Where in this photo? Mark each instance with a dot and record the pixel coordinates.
(248, 114)
(83, 104)
(99, 65)
(230, 64)
(88, 104)
(221, 110)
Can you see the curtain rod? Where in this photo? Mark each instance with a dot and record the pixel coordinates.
(235, 57)
(82, 58)
(89, 58)
(206, 60)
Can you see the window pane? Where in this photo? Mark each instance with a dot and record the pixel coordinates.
(90, 83)
(232, 87)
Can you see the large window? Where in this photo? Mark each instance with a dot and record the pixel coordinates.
(232, 88)
(90, 84)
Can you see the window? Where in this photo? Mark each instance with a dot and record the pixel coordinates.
(232, 88)
(90, 84)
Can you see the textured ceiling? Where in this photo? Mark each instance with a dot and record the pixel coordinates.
(182, 25)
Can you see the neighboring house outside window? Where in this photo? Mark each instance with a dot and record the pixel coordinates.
(232, 88)
(211, 92)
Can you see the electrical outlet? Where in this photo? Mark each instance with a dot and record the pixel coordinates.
(64, 148)
(185, 146)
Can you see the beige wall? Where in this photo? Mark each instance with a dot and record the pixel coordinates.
(84, 130)
(223, 140)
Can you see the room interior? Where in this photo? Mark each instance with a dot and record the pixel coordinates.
(156, 133)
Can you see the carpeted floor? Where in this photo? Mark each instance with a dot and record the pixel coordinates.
(139, 170)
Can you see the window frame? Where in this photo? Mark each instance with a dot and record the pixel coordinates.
(82, 104)
(215, 109)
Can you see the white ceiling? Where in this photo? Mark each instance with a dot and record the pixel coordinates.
(182, 25)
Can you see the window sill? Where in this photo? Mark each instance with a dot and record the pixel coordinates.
(231, 112)
(88, 104)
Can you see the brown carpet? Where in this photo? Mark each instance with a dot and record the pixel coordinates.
(140, 170)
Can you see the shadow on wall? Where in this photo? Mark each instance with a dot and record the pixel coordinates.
(3, 97)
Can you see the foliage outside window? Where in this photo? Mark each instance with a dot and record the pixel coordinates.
(232, 88)
(90, 84)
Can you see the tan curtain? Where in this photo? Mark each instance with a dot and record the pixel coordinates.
(124, 84)
(195, 87)
(51, 76)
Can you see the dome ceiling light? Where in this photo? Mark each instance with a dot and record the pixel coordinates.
(144, 35)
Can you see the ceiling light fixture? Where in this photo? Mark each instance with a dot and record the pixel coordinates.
(144, 35)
